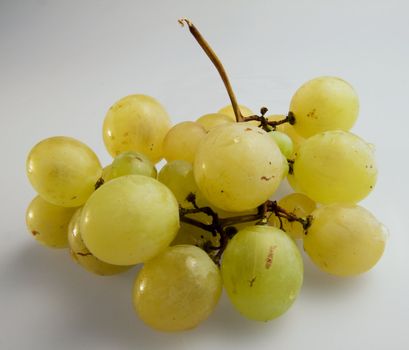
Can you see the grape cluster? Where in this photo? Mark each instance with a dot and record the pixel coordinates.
(206, 220)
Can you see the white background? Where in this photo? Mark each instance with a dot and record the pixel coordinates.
(63, 63)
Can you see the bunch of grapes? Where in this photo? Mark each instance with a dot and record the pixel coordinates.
(206, 221)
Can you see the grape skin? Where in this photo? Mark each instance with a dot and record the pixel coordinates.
(178, 177)
(345, 240)
(48, 223)
(324, 103)
(136, 123)
(83, 256)
(228, 110)
(284, 142)
(238, 167)
(182, 140)
(63, 170)
(178, 289)
(129, 220)
(212, 120)
(335, 166)
(130, 163)
(262, 272)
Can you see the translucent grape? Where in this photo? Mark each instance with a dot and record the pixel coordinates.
(193, 235)
(283, 142)
(178, 177)
(335, 166)
(106, 173)
(131, 163)
(178, 289)
(324, 103)
(63, 171)
(182, 140)
(83, 256)
(129, 220)
(210, 121)
(48, 223)
(262, 272)
(238, 167)
(298, 204)
(136, 123)
(228, 110)
(289, 130)
(345, 239)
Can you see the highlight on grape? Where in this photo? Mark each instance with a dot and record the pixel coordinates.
(206, 220)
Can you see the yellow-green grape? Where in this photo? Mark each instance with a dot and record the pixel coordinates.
(238, 167)
(210, 121)
(182, 140)
(289, 130)
(131, 163)
(324, 103)
(335, 166)
(228, 110)
(80, 253)
(193, 235)
(106, 173)
(48, 223)
(63, 171)
(178, 177)
(129, 220)
(293, 183)
(344, 239)
(262, 272)
(298, 204)
(178, 289)
(284, 142)
(136, 123)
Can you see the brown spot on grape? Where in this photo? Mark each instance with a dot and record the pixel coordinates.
(84, 254)
(270, 255)
(265, 178)
(126, 134)
(312, 114)
(251, 282)
(248, 129)
(35, 233)
(74, 197)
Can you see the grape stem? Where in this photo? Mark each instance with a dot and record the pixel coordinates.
(224, 227)
(264, 123)
(217, 63)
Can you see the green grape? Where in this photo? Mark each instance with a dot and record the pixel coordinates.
(289, 130)
(335, 166)
(131, 163)
(238, 167)
(178, 177)
(48, 223)
(324, 103)
(262, 272)
(284, 142)
(178, 289)
(193, 235)
(83, 256)
(210, 121)
(292, 182)
(106, 173)
(63, 171)
(129, 220)
(344, 239)
(136, 123)
(182, 140)
(298, 204)
(228, 110)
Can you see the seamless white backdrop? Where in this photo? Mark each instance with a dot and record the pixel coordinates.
(63, 63)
